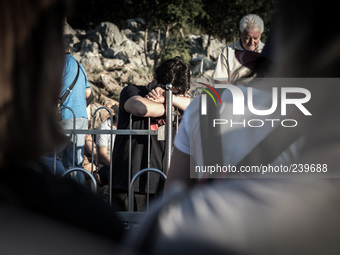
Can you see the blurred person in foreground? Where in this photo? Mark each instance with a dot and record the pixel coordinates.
(40, 212)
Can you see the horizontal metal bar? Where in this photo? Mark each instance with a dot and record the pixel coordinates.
(115, 131)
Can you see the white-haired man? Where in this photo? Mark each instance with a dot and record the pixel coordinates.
(250, 29)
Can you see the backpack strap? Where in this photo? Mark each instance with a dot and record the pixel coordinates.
(274, 144)
(69, 89)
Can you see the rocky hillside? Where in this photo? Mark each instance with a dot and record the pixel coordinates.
(115, 57)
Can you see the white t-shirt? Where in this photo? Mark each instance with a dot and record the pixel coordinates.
(104, 140)
(239, 139)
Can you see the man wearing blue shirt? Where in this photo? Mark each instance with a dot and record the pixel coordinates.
(80, 96)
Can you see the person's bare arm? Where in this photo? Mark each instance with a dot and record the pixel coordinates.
(179, 170)
(142, 107)
(88, 145)
(89, 96)
(158, 95)
(102, 156)
(181, 102)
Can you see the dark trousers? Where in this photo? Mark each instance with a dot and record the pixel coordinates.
(120, 200)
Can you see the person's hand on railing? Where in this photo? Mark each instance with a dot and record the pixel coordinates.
(157, 95)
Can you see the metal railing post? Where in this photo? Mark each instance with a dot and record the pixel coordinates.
(168, 131)
(131, 186)
(55, 162)
(110, 176)
(93, 120)
(149, 159)
(130, 161)
(73, 136)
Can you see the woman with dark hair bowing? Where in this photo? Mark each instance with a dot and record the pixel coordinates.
(141, 103)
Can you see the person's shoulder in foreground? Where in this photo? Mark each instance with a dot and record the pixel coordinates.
(39, 191)
(29, 130)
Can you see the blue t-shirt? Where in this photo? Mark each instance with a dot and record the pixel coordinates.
(76, 99)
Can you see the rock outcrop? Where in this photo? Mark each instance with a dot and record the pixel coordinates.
(114, 57)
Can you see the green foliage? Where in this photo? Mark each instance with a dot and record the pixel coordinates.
(87, 14)
(177, 47)
(146, 9)
(217, 18)
(181, 11)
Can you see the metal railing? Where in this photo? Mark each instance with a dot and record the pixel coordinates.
(71, 137)
(111, 122)
(78, 169)
(168, 133)
(130, 132)
(131, 186)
